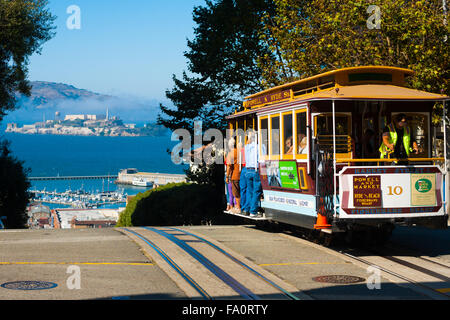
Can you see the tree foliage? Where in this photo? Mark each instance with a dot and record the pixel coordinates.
(24, 26)
(222, 68)
(222, 64)
(316, 36)
(13, 189)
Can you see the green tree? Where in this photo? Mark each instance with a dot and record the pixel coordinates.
(13, 189)
(315, 36)
(222, 64)
(222, 69)
(24, 26)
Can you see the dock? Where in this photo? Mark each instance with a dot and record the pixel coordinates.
(73, 178)
(127, 176)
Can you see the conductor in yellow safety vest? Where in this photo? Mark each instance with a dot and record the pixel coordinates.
(397, 139)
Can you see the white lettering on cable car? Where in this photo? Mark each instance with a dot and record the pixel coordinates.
(290, 201)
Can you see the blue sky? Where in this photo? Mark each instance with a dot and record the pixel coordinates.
(124, 47)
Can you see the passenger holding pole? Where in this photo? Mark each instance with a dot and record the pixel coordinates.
(253, 181)
(245, 208)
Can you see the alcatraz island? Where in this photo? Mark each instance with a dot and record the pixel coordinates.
(87, 125)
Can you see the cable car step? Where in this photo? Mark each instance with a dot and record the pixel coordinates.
(260, 217)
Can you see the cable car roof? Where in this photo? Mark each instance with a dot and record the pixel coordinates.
(355, 83)
(398, 77)
(375, 92)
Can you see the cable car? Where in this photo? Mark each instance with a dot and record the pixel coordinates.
(320, 162)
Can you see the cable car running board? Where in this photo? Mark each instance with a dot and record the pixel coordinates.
(257, 218)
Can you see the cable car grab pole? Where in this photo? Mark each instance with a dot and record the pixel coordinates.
(446, 177)
(334, 157)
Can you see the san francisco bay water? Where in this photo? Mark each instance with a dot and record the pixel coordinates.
(52, 155)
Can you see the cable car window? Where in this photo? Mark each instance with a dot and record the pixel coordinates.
(324, 124)
(302, 141)
(275, 135)
(288, 143)
(250, 124)
(386, 77)
(324, 132)
(264, 136)
(240, 132)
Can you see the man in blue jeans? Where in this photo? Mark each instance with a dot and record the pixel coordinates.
(252, 178)
(245, 209)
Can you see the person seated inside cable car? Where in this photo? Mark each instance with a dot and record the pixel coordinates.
(302, 144)
(289, 145)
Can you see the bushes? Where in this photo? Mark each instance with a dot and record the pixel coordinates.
(13, 189)
(173, 205)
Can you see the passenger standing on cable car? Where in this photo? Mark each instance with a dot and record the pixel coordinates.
(397, 140)
(253, 181)
(231, 200)
(233, 175)
(245, 208)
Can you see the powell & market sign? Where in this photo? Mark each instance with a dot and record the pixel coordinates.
(269, 98)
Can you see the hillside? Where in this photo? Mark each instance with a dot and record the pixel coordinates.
(49, 97)
(48, 94)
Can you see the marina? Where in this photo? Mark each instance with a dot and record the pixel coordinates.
(79, 199)
(66, 191)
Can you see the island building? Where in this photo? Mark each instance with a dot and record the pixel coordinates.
(11, 127)
(84, 117)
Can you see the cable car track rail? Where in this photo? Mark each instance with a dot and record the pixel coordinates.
(285, 292)
(402, 266)
(224, 273)
(418, 271)
(174, 266)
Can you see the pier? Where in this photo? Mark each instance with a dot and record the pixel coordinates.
(124, 177)
(129, 176)
(73, 178)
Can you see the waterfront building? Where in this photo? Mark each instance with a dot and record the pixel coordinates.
(131, 176)
(82, 218)
(40, 217)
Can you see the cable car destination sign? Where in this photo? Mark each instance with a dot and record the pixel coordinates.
(367, 191)
(390, 190)
(269, 98)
